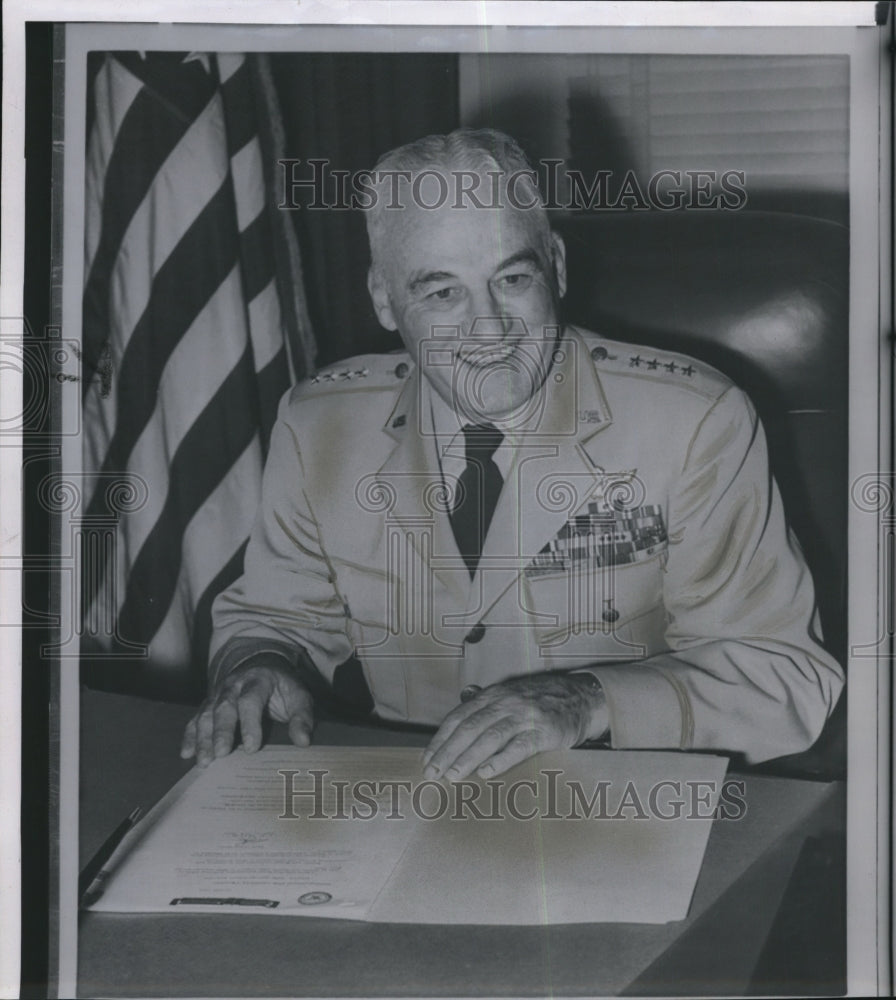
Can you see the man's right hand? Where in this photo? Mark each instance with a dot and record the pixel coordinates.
(242, 697)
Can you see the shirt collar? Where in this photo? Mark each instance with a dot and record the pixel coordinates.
(447, 429)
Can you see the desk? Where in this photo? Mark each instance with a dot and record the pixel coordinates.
(129, 756)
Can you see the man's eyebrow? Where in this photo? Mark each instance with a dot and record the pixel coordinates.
(525, 256)
(427, 278)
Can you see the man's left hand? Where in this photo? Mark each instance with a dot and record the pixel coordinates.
(508, 722)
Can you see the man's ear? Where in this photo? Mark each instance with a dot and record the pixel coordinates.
(558, 253)
(380, 298)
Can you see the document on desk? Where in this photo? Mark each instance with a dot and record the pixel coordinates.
(572, 836)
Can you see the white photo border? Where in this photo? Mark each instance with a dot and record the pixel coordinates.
(870, 433)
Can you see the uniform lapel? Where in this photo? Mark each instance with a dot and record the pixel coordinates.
(555, 473)
(413, 476)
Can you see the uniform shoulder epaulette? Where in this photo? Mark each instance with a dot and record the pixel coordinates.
(364, 371)
(648, 362)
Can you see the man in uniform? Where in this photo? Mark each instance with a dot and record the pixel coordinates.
(519, 532)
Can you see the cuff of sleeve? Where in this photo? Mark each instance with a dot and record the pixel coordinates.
(647, 706)
(237, 651)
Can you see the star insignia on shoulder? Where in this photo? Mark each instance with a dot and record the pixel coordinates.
(345, 375)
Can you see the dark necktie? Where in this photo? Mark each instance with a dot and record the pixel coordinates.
(480, 487)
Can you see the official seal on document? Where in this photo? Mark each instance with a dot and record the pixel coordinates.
(313, 898)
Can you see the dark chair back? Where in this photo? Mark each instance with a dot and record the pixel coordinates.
(763, 297)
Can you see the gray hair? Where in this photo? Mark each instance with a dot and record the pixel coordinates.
(470, 151)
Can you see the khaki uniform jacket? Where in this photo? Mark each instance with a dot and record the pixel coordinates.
(639, 534)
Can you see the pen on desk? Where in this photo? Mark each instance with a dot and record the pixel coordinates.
(93, 869)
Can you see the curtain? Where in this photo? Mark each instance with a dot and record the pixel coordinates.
(348, 109)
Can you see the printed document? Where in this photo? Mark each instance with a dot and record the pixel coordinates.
(571, 836)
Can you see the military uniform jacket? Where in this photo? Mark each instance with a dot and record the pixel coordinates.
(638, 534)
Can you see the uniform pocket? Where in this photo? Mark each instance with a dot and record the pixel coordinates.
(593, 612)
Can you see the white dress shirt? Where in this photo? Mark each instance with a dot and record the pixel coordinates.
(447, 427)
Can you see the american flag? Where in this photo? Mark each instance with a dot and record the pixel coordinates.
(188, 340)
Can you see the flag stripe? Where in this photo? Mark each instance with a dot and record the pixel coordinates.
(186, 274)
(196, 169)
(95, 63)
(201, 355)
(239, 109)
(147, 136)
(228, 64)
(245, 168)
(201, 352)
(265, 326)
(185, 282)
(202, 616)
(116, 90)
(237, 497)
(233, 502)
(209, 449)
(255, 244)
(174, 79)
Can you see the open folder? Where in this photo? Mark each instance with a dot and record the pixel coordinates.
(567, 837)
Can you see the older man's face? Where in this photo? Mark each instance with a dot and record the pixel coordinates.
(473, 293)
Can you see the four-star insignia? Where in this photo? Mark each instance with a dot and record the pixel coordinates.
(343, 376)
(652, 364)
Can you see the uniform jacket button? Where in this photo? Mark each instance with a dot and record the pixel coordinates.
(611, 615)
(470, 692)
(476, 633)
(401, 369)
(599, 353)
